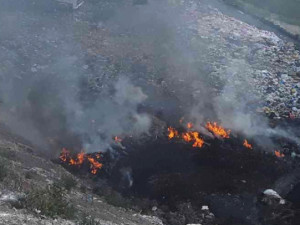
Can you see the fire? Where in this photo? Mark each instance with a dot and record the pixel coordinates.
(172, 132)
(187, 137)
(189, 125)
(190, 136)
(98, 156)
(95, 165)
(217, 130)
(198, 142)
(247, 145)
(279, 154)
(64, 155)
(80, 158)
(118, 139)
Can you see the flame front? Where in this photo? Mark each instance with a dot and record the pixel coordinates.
(279, 154)
(189, 125)
(118, 139)
(198, 142)
(172, 132)
(190, 136)
(95, 165)
(217, 130)
(247, 145)
(64, 155)
(80, 158)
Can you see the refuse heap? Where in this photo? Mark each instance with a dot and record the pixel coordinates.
(267, 66)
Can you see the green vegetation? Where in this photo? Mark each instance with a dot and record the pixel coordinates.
(7, 153)
(50, 201)
(87, 220)
(116, 199)
(287, 10)
(68, 182)
(3, 170)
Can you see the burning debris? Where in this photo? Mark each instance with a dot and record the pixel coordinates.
(218, 130)
(194, 136)
(118, 139)
(172, 133)
(81, 158)
(247, 145)
(279, 154)
(189, 136)
(186, 134)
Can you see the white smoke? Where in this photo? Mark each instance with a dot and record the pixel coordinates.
(111, 116)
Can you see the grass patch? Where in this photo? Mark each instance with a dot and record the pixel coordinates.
(7, 153)
(3, 170)
(50, 201)
(88, 220)
(67, 182)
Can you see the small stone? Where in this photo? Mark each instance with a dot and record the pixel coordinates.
(204, 207)
(284, 76)
(33, 69)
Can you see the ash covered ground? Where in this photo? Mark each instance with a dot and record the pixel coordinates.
(77, 78)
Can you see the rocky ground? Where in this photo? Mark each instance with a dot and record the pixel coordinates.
(266, 66)
(230, 54)
(262, 67)
(22, 172)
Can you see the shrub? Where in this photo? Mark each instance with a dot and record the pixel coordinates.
(116, 199)
(3, 170)
(8, 153)
(88, 220)
(50, 201)
(68, 182)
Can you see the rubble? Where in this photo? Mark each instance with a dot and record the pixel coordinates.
(74, 3)
(271, 196)
(270, 68)
(151, 219)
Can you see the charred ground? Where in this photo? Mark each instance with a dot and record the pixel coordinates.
(75, 79)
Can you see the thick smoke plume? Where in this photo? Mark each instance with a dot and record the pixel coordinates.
(79, 79)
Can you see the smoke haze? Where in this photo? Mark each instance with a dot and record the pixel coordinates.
(77, 79)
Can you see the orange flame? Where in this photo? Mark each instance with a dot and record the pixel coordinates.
(217, 130)
(118, 139)
(172, 132)
(80, 158)
(198, 142)
(64, 155)
(98, 156)
(95, 165)
(187, 137)
(190, 136)
(189, 125)
(247, 145)
(279, 154)
(193, 136)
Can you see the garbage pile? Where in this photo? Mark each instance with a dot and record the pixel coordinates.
(269, 67)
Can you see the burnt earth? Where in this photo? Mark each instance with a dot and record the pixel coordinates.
(223, 175)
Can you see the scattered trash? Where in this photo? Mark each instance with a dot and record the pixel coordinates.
(271, 196)
(204, 207)
(74, 3)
